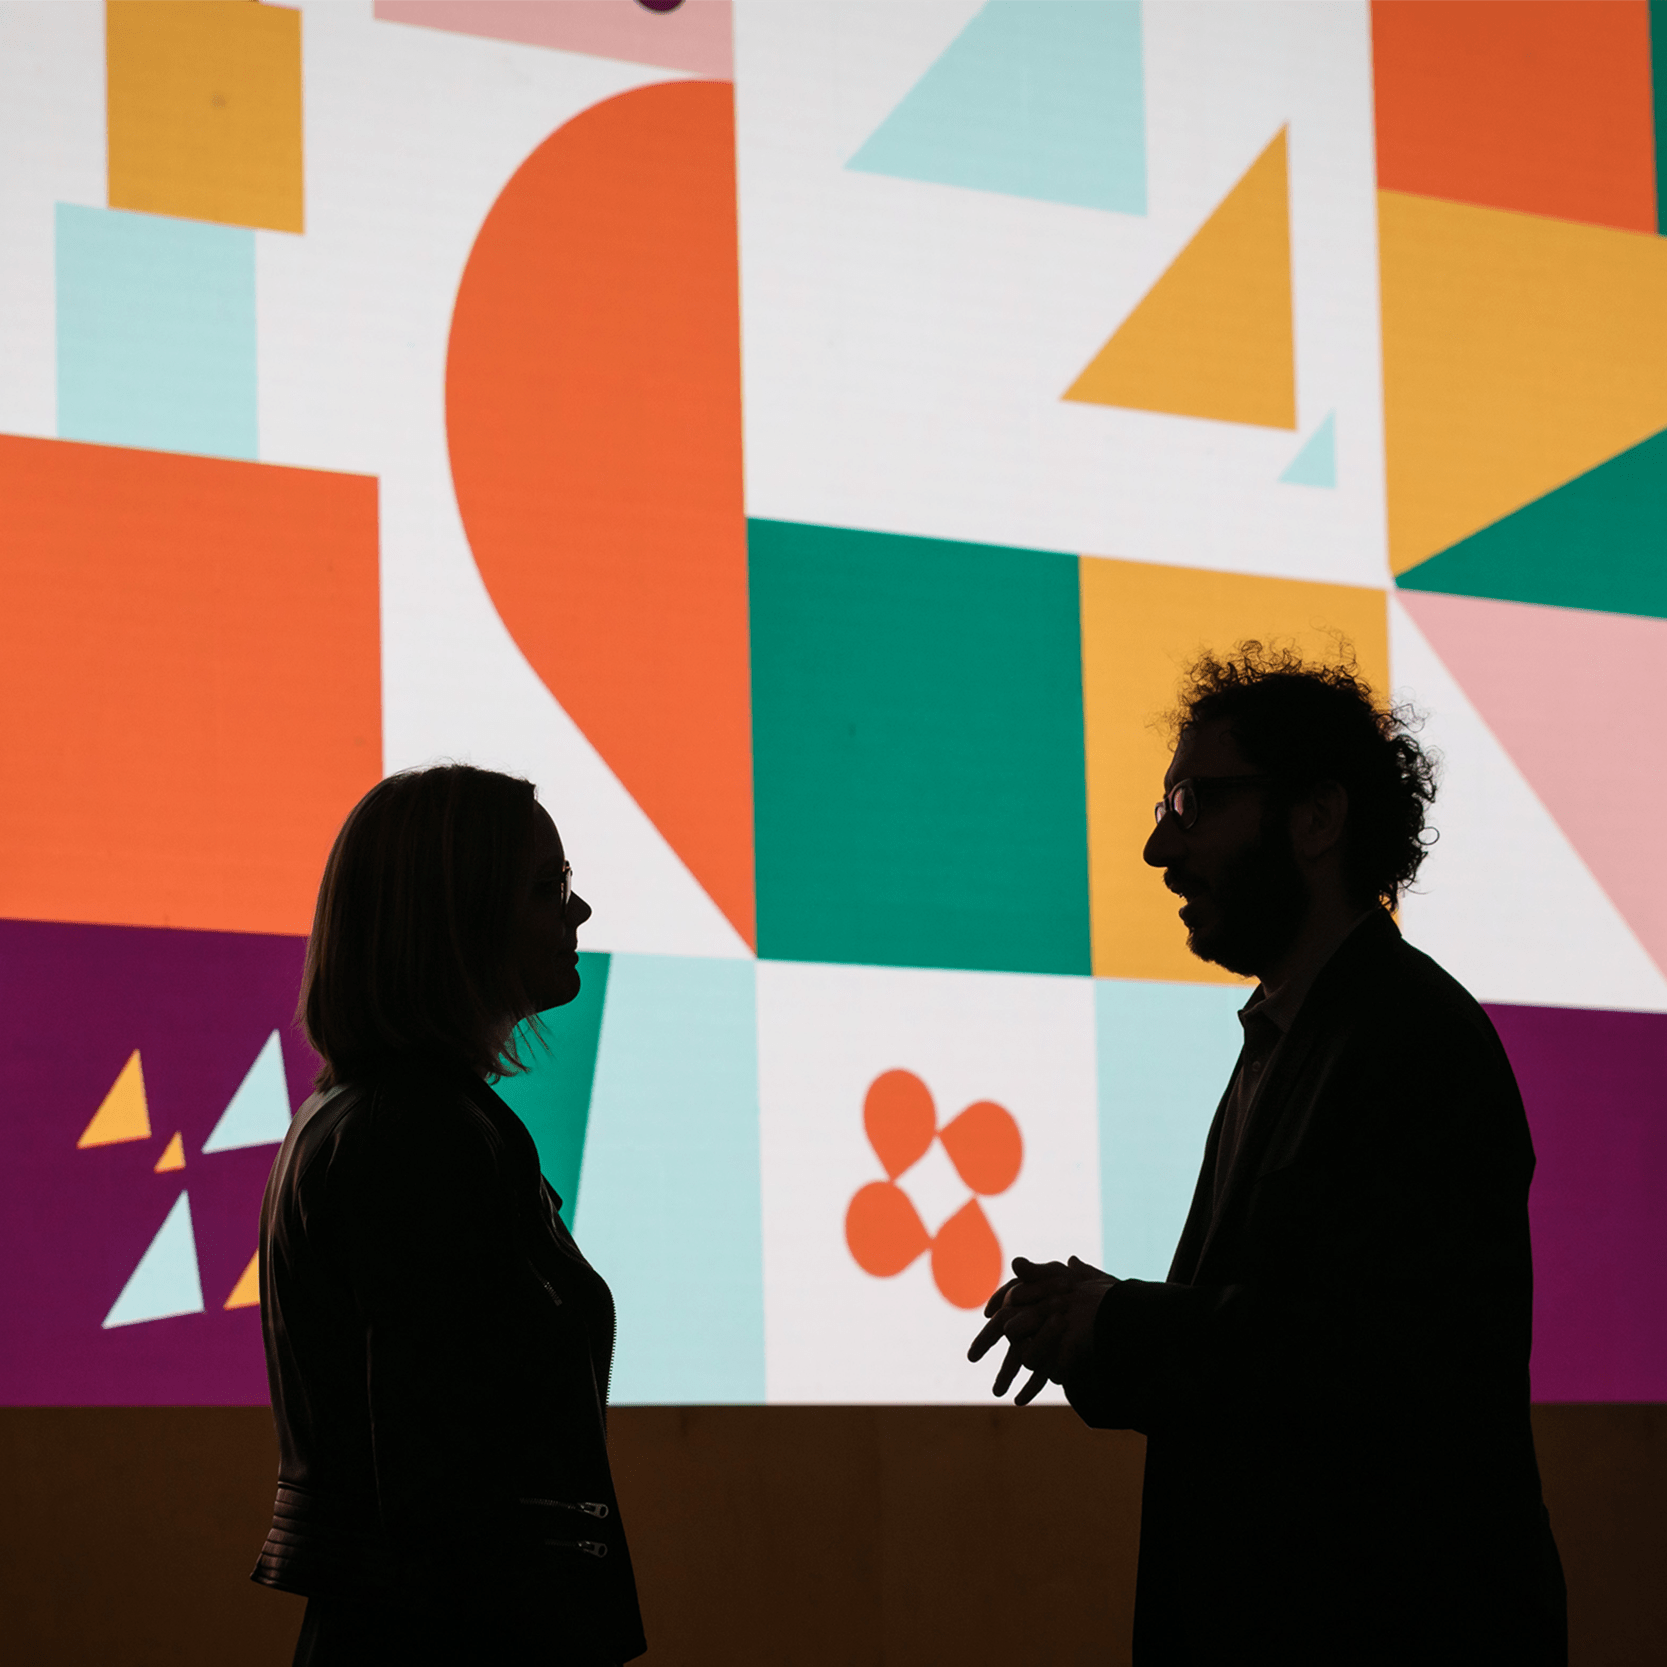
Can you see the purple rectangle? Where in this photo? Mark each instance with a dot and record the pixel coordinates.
(75, 1001)
(1595, 1084)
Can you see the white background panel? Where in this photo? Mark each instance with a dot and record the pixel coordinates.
(411, 133)
(1505, 902)
(51, 151)
(906, 344)
(833, 1332)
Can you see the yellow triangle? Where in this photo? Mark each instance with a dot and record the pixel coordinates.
(246, 1292)
(173, 1157)
(1213, 336)
(1518, 352)
(123, 1114)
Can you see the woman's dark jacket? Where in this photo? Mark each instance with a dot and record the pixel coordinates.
(438, 1353)
(1333, 1380)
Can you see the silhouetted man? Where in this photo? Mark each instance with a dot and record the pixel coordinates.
(1333, 1380)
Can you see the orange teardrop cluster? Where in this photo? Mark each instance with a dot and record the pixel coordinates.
(883, 1228)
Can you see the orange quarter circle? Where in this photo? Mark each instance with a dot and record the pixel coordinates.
(593, 410)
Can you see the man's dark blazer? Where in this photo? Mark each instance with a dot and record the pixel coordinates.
(1333, 1380)
(438, 1355)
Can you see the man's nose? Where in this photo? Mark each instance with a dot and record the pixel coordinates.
(1164, 844)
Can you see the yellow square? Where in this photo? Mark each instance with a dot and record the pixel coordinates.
(1141, 625)
(204, 109)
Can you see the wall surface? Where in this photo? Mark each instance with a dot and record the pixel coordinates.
(863, 1536)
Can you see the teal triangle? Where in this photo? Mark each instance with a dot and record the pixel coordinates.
(1034, 98)
(258, 1113)
(165, 1281)
(1316, 463)
(1598, 542)
(552, 1097)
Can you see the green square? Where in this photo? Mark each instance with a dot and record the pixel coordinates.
(917, 752)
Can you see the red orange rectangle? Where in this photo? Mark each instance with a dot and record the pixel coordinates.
(190, 687)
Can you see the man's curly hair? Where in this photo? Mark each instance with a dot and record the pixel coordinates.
(1305, 722)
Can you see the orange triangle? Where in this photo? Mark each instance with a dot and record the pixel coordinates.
(246, 1292)
(123, 1113)
(1213, 336)
(1518, 352)
(173, 1157)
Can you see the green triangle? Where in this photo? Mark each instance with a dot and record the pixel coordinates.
(552, 1097)
(1600, 542)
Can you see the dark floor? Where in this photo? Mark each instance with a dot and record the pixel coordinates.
(793, 1535)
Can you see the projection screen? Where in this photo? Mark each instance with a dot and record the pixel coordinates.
(807, 440)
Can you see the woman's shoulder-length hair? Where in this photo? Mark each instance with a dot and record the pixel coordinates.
(411, 955)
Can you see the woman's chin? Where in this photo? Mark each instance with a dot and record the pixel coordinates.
(563, 989)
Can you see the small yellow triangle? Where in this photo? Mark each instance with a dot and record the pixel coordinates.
(173, 1157)
(1213, 336)
(246, 1292)
(124, 1113)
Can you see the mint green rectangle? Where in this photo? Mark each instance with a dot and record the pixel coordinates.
(1165, 1054)
(552, 1096)
(670, 1208)
(917, 752)
(156, 332)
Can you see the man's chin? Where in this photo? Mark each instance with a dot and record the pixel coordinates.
(1218, 948)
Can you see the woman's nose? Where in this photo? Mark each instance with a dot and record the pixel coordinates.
(578, 910)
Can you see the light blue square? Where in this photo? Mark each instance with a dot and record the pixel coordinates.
(156, 332)
(1165, 1053)
(670, 1206)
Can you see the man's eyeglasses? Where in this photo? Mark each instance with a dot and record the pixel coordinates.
(1185, 800)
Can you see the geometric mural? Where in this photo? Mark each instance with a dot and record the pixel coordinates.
(808, 443)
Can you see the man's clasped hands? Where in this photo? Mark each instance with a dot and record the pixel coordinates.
(1046, 1313)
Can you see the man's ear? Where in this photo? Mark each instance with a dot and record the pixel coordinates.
(1319, 818)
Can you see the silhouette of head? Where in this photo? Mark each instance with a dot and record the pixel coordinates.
(1262, 735)
(444, 918)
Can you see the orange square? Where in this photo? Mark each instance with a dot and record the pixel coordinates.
(203, 110)
(190, 682)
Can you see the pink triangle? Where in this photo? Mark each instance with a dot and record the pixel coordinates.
(1579, 701)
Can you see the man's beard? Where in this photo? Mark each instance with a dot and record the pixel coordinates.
(1259, 901)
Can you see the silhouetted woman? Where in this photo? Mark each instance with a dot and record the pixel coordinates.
(438, 1350)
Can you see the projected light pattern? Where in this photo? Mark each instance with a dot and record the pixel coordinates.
(817, 496)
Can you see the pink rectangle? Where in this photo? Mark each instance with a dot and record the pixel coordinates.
(695, 35)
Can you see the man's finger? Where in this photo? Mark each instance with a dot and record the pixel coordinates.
(1038, 1382)
(1010, 1368)
(1029, 1272)
(996, 1301)
(986, 1339)
(1023, 1292)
